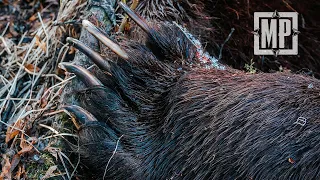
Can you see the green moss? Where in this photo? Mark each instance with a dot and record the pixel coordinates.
(37, 169)
(38, 165)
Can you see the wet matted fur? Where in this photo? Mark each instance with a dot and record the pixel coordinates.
(212, 21)
(164, 113)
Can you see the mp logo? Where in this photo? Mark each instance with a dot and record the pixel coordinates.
(276, 33)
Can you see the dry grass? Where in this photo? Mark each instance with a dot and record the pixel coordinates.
(31, 89)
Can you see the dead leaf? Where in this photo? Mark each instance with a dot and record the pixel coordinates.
(11, 134)
(6, 174)
(41, 44)
(44, 99)
(25, 147)
(44, 102)
(19, 172)
(33, 18)
(49, 172)
(14, 162)
(12, 30)
(5, 2)
(12, 131)
(32, 68)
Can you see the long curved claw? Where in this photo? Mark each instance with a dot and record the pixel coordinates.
(79, 116)
(94, 56)
(135, 17)
(105, 40)
(84, 75)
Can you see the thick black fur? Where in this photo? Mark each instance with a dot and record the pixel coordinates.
(212, 21)
(168, 117)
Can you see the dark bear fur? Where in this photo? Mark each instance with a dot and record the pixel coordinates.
(165, 114)
(212, 21)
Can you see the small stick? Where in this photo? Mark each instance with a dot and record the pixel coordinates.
(229, 36)
(46, 33)
(114, 152)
